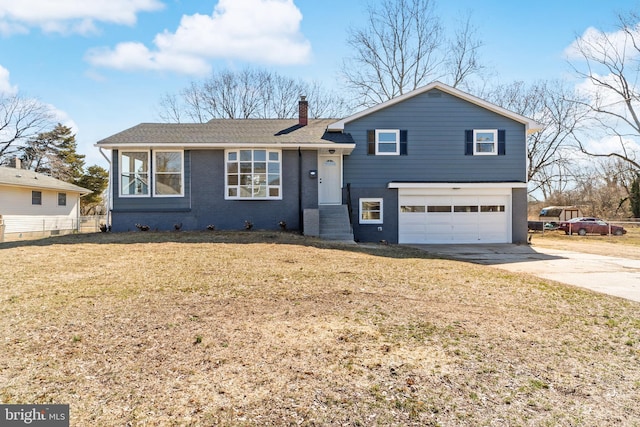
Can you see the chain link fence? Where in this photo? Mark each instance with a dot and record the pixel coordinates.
(16, 228)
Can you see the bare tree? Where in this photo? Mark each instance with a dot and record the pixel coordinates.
(396, 51)
(603, 188)
(609, 63)
(550, 150)
(462, 59)
(248, 93)
(20, 118)
(403, 46)
(170, 109)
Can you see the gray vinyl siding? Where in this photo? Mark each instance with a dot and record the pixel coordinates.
(204, 203)
(372, 232)
(519, 229)
(436, 124)
(436, 144)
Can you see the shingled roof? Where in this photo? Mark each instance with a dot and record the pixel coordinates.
(30, 179)
(229, 132)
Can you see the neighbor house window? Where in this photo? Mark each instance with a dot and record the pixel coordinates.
(485, 141)
(36, 197)
(370, 211)
(134, 173)
(253, 174)
(167, 173)
(62, 199)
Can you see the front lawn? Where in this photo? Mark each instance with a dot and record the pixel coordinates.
(259, 328)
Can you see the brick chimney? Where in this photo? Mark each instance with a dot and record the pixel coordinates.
(303, 109)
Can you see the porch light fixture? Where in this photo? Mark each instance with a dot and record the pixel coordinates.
(331, 151)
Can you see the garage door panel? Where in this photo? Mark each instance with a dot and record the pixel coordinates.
(454, 219)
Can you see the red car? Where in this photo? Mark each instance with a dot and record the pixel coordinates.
(588, 225)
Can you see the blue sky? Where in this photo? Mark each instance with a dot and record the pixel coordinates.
(104, 64)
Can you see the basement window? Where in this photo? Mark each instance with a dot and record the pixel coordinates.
(370, 211)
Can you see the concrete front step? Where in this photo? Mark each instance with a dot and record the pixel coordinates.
(334, 223)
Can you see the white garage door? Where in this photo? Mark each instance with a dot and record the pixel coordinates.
(462, 218)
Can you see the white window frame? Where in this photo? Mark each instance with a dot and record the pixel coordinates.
(238, 186)
(64, 197)
(361, 211)
(388, 153)
(156, 173)
(148, 172)
(476, 142)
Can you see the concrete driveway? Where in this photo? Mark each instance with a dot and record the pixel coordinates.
(613, 275)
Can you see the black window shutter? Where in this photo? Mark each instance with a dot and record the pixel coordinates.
(403, 142)
(371, 142)
(468, 146)
(502, 143)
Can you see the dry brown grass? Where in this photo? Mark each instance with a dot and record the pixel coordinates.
(274, 329)
(627, 245)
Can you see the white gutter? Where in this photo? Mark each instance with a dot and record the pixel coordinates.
(346, 148)
(457, 185)
(110, 199)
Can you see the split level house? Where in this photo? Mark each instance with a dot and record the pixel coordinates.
(435, 165)
(34, 205)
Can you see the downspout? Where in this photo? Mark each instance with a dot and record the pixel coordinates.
(300, 214)
(110, 196)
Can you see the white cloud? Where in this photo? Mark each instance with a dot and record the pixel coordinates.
(598, 43)
(261, 31)
(5, 85)
(136, 56)
(63, 16)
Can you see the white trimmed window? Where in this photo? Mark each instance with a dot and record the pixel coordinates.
(253, 174)
(62, 199)
(485, 142)
(167, 173)
(370, 211)
(166, 170)
(134, 173)
(387, 142)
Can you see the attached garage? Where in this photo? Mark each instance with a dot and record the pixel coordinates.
(454, 213)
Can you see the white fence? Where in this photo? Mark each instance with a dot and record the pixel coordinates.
(35, 227)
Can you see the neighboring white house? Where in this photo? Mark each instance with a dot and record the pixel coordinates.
(33, 205)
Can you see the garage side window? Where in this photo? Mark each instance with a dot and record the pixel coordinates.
(371, 211)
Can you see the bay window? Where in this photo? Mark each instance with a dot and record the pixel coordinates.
(253, 174)
(134, 173)
(166, 171)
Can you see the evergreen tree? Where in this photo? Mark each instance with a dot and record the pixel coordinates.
(634, 197)
(95, 179)
(54, 153)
